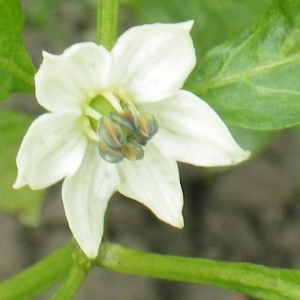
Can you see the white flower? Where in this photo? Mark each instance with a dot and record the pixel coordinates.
(138, 82)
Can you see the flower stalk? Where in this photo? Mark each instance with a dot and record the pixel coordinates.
(76, 277)
(254, 280)
(107, 22)
(39, 277)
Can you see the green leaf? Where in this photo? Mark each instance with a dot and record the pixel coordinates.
(253, 280)
(215, 21)
(253, 81)
(36, 13)
(24, 203)
(16, 68)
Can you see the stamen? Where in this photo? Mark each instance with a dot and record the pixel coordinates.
(108, 154)
(124, 133)
(110, 133)
(90, 112)
(147, 125)
(133, 151)
(112, 100)
(126, 118)
(88, 131)
(92, 135)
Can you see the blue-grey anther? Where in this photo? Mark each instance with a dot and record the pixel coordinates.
(132, 150)
(147, 127)
(109, 154)
(111, 133)
(126, 118)
(112, 137)
(123, 134)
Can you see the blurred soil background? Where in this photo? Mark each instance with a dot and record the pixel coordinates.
(248, 213)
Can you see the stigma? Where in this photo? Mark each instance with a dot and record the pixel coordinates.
(124, 133)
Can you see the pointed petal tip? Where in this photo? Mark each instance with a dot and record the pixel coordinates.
(19, 183)
(91, 253)
(176, 221)
(185, 26)
(47, 55)
(241, 156)
(89, 248)
(188, 24)
(180, 223)
(16, 186)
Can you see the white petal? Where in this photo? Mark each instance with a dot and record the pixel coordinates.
(154, 182)
(85, 197)
(190, 131)
(52, 148)
(65, 81)
(151, 62)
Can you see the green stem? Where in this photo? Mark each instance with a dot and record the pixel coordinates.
(39, 277)
(254, 280)
(76, 277)
(71, 285)
(107, 22)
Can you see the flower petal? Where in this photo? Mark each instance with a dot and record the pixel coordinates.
(191, 132)
(154, 182)
(151, 62)
(85, 197)
(67, 80)
(52, 148)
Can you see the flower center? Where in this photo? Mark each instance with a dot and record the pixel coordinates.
(122, 131)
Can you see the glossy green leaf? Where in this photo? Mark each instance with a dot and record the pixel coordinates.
(24, 203)
(215, 21)
(16, 68)
(253, 81)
